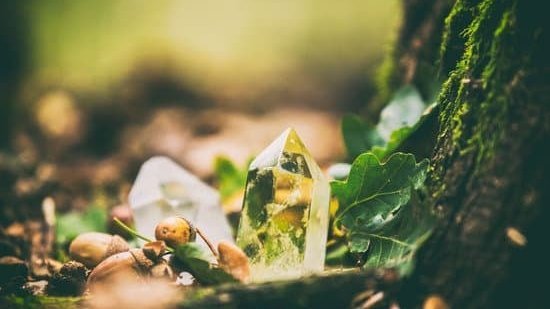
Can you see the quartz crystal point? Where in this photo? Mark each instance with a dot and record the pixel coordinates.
(163, 189)
(284, 221)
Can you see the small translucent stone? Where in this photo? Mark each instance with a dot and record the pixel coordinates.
(284, 222)
(163, 189)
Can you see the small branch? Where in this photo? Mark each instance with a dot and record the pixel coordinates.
(210, 246)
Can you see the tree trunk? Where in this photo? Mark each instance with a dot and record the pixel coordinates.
(488, 171)
(490, 160)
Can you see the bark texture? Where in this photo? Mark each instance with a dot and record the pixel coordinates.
(491, 159)
(337, 290)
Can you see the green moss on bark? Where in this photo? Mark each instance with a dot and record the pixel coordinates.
(488, 80)
(489, 168)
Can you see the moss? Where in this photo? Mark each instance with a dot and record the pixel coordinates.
(40, 302)
(484, 85)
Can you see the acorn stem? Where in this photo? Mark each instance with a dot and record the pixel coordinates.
(207, 241)
(136, 234)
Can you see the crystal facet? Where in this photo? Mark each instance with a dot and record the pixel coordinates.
(284, 222)
(163, 188)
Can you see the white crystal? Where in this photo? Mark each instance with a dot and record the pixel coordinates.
(284, 222)
(163, 189)
(339, 171)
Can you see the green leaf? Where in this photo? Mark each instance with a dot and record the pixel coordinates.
(231, 178)
(336, 256)
(193, 258)
(359, 136)
(398, 120)
(374, 190)
(404, 110)
(71, 224)
(374, 208)
(396, 138)
(396, 243)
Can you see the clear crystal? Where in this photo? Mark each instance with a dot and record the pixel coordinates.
(284, 222)
(163, 189)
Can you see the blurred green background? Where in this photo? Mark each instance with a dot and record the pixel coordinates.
(90, 89)
(236, 52)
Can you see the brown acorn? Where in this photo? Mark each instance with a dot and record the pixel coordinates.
(136, 264)
(92, 248)
(233, 260)
(120, 263)
(175, 231)
(162, 270)
(133, 263)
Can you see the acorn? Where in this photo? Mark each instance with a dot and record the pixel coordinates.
(92, 248)
(136, 263)
(233, 260)
(175, 231)
(162, 270)
(133, 263)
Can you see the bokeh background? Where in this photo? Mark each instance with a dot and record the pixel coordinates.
(90, 89)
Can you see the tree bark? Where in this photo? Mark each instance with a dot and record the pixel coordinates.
(489, 167)
(490, 160)
(335, 290)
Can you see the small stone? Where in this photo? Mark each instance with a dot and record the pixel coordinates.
(36, 288)
(185, 279)
(164, 189)
(284, 222)
(69, 281)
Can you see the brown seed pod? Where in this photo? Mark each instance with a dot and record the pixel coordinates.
(162, 270)
(120, 263)
(133, 263)
(175, 231)
(233, 260)
(92, 248)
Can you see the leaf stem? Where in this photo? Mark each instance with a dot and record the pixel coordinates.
(136, 234)
(130, 230)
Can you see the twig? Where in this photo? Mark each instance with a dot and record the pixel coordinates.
(208, 243)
